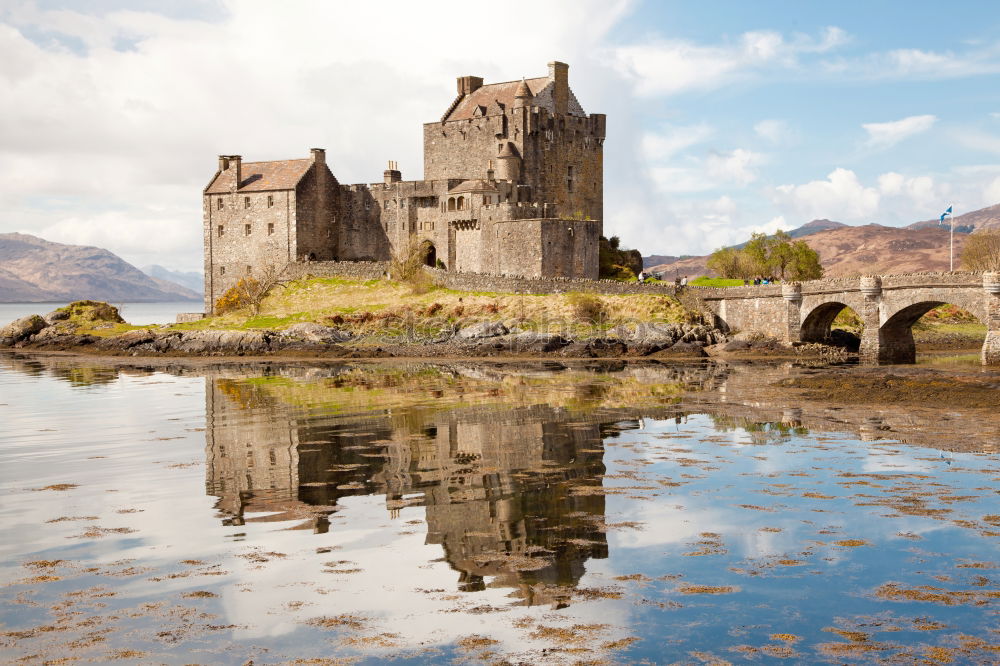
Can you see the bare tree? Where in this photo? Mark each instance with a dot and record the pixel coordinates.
(251, 289)
(982, 251)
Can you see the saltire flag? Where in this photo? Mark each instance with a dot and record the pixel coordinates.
(945, 214)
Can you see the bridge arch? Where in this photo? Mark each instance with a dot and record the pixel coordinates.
(817, 323)
(896, 343)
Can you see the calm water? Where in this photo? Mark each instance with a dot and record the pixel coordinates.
(133, 313)
(482, 512)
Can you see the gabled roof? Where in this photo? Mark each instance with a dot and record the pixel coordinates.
(261, 176)
(494, 92)
(473, 186)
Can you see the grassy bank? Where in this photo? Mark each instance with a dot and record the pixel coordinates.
(387, 307)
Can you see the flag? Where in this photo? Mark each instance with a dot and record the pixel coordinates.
(945, 214)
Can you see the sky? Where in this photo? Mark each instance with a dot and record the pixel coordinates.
(724, 118)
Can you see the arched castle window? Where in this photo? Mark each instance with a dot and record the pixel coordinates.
(460, 204)
(451, 203)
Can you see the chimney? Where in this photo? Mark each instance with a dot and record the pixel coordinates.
(469, 84)
(223, 162)
(392, 174)
(490, 174)
(559, 75)
(318, 155)
(235, 162)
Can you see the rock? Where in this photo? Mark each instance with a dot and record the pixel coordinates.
(313, 332)
(530, 341)
(685, 349)
(222, 342)
(56, 315)
(127, 340)
(484, 329)
(21, 329)
(736, 345)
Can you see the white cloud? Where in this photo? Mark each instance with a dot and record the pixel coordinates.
(840, 197)
(668, 142)
(919, 64)
(664, 67)
(977, 140)
(883, 135)
(992, 191)
(736, 166)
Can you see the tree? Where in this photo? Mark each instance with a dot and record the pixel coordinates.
(982, 252)
(618, 263)
(250, 290)
(804, 263)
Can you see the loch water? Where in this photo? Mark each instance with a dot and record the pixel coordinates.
(192, 512)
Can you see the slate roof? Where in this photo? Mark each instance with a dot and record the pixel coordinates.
(261, 176)
(499, 92)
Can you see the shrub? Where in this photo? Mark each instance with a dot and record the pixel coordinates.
(587, 307)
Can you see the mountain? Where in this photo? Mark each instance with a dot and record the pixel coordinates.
(815, 227)
(37, 270)
(190, 280)
(845, 250)
(977, 220)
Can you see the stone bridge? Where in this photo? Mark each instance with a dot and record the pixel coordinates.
(888, 305)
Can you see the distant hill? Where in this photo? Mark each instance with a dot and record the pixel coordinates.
(192, 280)
(37, 270)
(872, 248)
(977, 220)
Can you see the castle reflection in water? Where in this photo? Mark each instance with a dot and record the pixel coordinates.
(500, 486)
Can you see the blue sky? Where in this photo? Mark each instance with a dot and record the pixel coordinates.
(723, 117)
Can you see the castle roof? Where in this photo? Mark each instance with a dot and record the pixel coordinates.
(261, 176)
(508, 150)
(523, 90)
(473, 186)
(502, 93)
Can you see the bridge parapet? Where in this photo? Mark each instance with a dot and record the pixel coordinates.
(888, 305)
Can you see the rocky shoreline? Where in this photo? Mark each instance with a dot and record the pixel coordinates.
(56, 332)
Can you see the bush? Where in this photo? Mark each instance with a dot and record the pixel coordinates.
(587, 307)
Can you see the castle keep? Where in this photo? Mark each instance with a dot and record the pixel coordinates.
(513, 185)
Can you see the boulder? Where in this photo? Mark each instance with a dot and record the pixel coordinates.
(312, 332)
(127, 340)
(56, 315)
(21, 329)
(683, 349)
(530, 341)
(484, 329)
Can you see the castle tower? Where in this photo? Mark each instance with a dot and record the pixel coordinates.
(509, 162)
(523, 96)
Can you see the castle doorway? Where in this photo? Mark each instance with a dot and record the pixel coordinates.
(430, 254)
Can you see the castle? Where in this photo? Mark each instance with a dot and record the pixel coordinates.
(513, 185)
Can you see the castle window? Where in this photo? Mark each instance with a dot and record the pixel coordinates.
(385, 204)
(270, 200)
(249, 269)
(222, 270)
(246, 202)
(460, 203)
(451, 203)
(218, 203)
(569, 179)
(270, 228)
(221, 230)
(246, 229)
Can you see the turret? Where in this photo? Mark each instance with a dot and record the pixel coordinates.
(508, 163)
(522, 96)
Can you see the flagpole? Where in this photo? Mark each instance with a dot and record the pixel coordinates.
(952, 242)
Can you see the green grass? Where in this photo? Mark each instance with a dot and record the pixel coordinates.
(705, 281)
